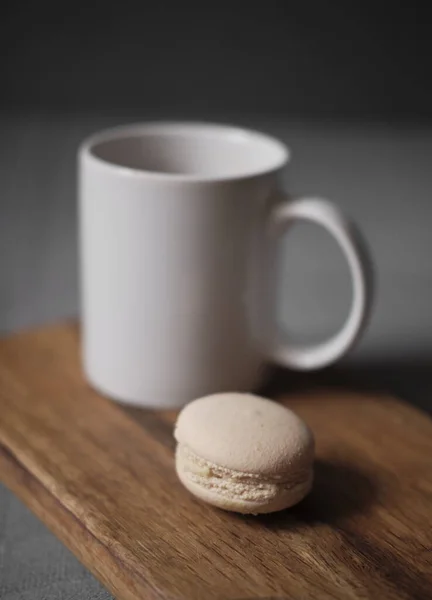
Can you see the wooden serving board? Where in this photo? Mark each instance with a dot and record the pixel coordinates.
(103, 481)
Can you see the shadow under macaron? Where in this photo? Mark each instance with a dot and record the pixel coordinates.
(339, 491)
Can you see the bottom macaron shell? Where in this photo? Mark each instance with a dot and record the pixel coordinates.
(285, 498)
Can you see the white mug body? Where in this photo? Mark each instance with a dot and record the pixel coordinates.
(172, 243)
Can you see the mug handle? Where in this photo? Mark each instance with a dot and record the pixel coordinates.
(326, 214)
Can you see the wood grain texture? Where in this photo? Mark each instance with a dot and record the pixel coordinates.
(101, 477)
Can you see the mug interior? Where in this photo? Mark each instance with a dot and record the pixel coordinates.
(190, 151)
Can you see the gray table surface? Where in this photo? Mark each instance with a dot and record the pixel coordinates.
(380, 175)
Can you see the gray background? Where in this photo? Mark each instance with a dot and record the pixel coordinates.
(348, 87)
(368, 60)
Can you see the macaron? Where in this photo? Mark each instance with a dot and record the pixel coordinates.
(244, 453)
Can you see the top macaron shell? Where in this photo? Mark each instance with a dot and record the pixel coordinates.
(245, 433)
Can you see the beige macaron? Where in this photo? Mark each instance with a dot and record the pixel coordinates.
(244, 453)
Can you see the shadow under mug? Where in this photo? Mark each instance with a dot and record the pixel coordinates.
(179, 225)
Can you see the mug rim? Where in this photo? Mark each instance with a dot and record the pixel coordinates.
(236, 133)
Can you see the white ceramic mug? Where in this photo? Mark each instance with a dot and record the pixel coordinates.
(178, 224)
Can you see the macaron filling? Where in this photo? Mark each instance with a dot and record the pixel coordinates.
(250, 487)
